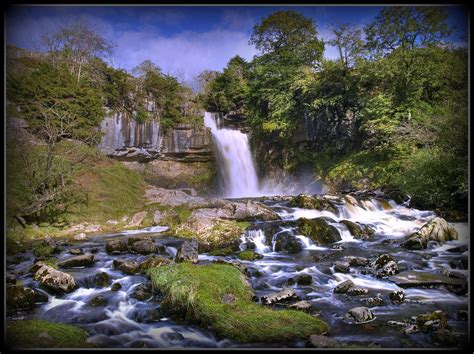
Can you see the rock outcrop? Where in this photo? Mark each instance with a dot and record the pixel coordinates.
(436, 229)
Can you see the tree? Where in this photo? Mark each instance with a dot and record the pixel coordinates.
(348, 40)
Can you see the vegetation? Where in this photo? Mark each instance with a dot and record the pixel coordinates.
(196, 293)
(45, 334)
(390, 112)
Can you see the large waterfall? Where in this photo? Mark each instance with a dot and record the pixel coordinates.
(238, 177)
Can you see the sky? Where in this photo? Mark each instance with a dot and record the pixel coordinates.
(185, 40)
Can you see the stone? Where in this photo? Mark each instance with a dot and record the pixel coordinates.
(188, 252)
(116, 287)
(356, 291)
(342, 267)
(397, 296)
(142, 292)
(318, 341)
(359, 232)
(76, 251)
(436, 229)
(101, 279)
(418, 279)
(55, 280)
(313, 202)
(359, 314)
(19, 297)
(80, 237)
(304, 279)
(285, 295)
(318, 230)
(343, 287)
(128, 267)
(144, 247)
(111, 222)
(137, 219)
(396, 324)
(157, 217)
(286, 242)
(116, 246)
(98, 300)
(444, 338)
(411, 329)
(357, 261)
(385, 265)
(374, 301)
(154, 261)
(78, 261)
(227, 298)
(303, 305)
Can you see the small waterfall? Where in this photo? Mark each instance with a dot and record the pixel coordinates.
(258, 239)
(238, 177)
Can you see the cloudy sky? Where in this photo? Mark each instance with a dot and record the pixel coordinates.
(185, 40)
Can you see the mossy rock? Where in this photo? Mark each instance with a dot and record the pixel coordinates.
(45, 334)
(318, 230)
(313, 202)
(249, 255)
(43, 251)
(226, 251)
(358, 231)
(195, 292)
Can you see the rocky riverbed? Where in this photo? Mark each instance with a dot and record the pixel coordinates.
(377, 273)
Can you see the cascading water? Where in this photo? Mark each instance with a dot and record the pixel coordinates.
(236, 166)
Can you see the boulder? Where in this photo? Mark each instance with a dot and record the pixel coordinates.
(436, 229)
(98, 300)
(374, 301)
(116, 246)
(128, 267)
(397, 296)
(418, 279)
(78, 261)
(318, 230)
(341, 267)
(313, 202)
(304, 279)
(146, 246)
(385, 265)
(359, 232)
(116, 287)
(19, 297)
(142, 292)
(359, 315)
(343, 287)
(318, 341)
(137, 219)
(357, 261)
(285, 295)
(76, 251)
(188, 252)
(356, 291)
(286, 242)
(303, 305)
(154, 261)
(249, 255)
(101, 279)
(55, 280)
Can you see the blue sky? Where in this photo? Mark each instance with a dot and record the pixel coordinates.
(184, 40)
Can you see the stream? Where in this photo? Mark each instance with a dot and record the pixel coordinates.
(127, 322)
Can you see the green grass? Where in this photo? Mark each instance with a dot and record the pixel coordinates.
(45, 334)
(195, 291)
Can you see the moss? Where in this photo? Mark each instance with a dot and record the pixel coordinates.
(195, 292)
(226, 251)
(45, 334)
(249, 255)
(43, 251)
(312, 202)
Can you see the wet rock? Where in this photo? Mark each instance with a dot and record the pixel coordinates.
(116, 287)
(101, 279)
(78, 261)
(116, 246)
(343, 287)
(356, 291)
(80, 237)
(128, 267)
(137, 219)
(318, 230)
(431, 326)
(397, 296)
(444, 338)
(374, 301)
(144, 247)
(285, 295)
(249, 255)
(40, 296)
(337, 248)
(359, 314)
(385, 265)
(227, 298)
(357, 261)
(286, 242)
(76, 251)
(55, 280)
(458, 249)
(304, 279)
(303, 305)
(19, 297)
(411, 329)
(417, 279)
(436, 229)
(429, 322)
(396, 324)
(313, 202)
(188, 252)
(154, 261)
(317, 341)
(142, 292)
(359, 232)
(10, 278)
(99, 300)
(342, 267)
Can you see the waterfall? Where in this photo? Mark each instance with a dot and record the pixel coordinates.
(238, 177)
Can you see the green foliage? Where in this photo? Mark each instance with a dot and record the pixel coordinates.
(31, 334)
(141, 115)
(195, 293)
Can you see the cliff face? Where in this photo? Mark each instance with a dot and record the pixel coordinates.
(179, 157)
